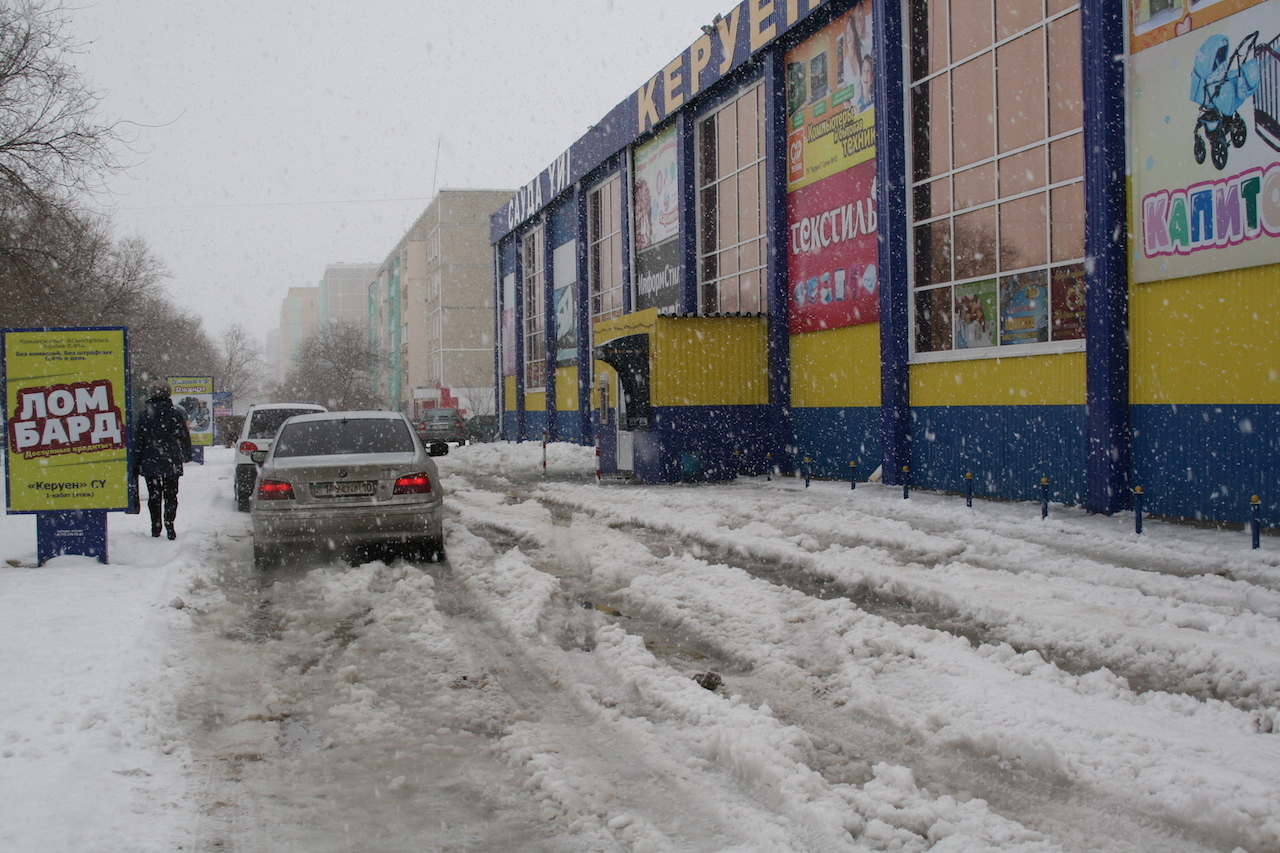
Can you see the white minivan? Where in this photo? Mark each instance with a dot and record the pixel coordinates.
(260, 426)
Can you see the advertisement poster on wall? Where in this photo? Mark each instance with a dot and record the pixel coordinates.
(657, 222)
(509, 324)
(831, 213)
(1205, 77)
(65, 397)
(564, 275)
(1024, 308)
(976, 312)
(194, 395)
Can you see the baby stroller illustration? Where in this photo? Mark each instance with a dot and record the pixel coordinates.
(1221, 82)
(1266, 101)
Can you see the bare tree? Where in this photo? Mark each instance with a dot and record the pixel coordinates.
(241, 367)
(165, 341)
(51, 144)
(337, 367)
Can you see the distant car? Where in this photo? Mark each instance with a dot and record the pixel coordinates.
(347, 481)
(482, 428)
(256, 435)
(438, 427)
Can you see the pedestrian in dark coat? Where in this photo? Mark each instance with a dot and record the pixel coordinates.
(162, 443)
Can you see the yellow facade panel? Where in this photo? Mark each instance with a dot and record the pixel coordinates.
(627, 324)
(710, 361)
(509, 393)
(839, 367)
(567, 388)
(535, 401)
(1209, 339)
(1036, 380)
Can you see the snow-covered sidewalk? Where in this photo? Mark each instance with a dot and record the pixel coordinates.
(897, 674)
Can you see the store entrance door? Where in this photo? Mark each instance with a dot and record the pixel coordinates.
(629, 356)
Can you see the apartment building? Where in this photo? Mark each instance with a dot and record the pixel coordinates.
(430, 306)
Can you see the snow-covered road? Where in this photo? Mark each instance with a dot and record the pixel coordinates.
(894, 675)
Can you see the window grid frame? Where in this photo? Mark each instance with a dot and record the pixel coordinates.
(998, 349)
(533, 284)
(756, 90)
(597, 243)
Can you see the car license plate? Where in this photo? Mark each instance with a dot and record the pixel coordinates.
(360, 488)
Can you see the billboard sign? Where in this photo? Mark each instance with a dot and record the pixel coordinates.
(65, 403)
(657, 222)
(194, 395)
(1205, 136)
(833, 280)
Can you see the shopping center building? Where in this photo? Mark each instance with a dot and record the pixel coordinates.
(1006, 240)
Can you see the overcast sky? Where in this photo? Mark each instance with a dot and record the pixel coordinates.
(271, 139)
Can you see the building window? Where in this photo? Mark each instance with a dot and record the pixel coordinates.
(997, 202)
(732, 249)
(604, 249)
(533, 268)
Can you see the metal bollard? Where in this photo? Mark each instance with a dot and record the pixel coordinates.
(544, 453)
(906, 482)
(1255, 523)
(768, 466)
(853, 476)
(806, 472)
(968, 489)
(1044, 497)
(1137, 510)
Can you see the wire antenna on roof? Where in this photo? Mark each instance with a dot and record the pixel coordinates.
(436, 173)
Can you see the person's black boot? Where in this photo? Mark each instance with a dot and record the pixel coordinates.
(155, 528)
(169, 531)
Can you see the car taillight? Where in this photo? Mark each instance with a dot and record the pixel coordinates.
(274, 490)
(413, 484)
(247, 447)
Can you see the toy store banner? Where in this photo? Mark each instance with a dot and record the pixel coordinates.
(1205, 147)
(832, 277)
(194, 395)
(65, 399)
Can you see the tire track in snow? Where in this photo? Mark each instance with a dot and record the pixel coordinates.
(1078, 818)
(934, 584)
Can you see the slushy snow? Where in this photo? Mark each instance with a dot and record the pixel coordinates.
(896, 675)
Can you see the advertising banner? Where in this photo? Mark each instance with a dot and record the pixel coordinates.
(223, 403)
(194, 395)
(657, 222)
(975, 312)
(1205, 136)
(65, 402)
(564, 276)
(509, 324)
(832, 266)
(1024, 308)
(831, 214)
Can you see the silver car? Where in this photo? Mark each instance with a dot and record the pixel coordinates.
(347, 481)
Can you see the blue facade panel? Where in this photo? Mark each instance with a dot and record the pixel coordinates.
(1211, 460)
(535, 422)
(699, 443)
(834, 437)
(569, 427)
(1007, 448)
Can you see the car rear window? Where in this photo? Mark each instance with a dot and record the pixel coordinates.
(265, 422)
(441, 415)
(355, 435)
